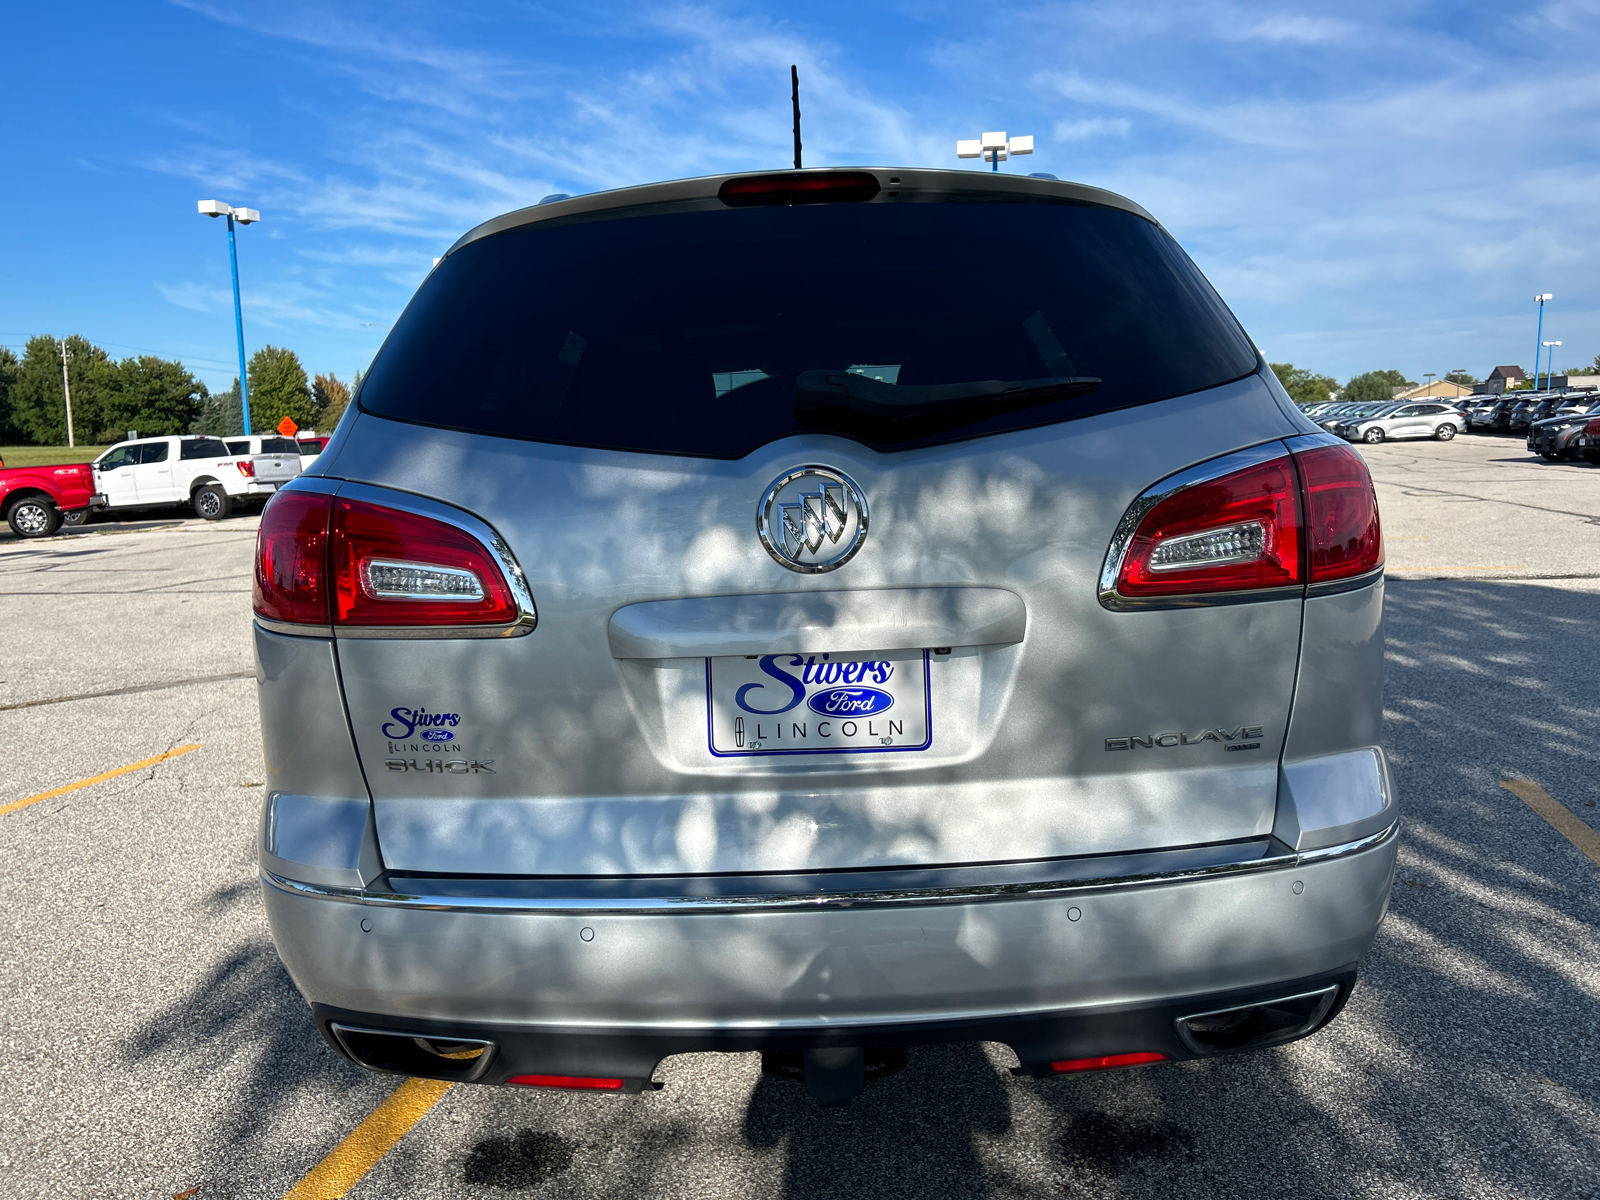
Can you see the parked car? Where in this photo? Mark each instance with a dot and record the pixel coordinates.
(1556, 438)
(1587, 444)
(310, 447)
(1479, 413)
(1420, 420)
(37, 500)
(159, 472)
(1529, 411)
(657, 744)
(1498, 418)
(277, 447)
(1355, 412)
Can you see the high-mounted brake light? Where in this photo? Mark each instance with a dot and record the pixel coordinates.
(585, 1082)
(322, 561)
(799, 187)
(1236, 533)
(1108, 1061)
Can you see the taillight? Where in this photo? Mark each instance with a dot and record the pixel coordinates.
(1308, 516)
(1342, 513)
(1592, 429)
(585, 1082)
(291, 580)
(246, 468)
(396, 568)
(321, 561)
(1107, 1061)
(819, 187)
(1235, 533)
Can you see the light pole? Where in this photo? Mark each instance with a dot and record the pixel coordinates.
(1427, 388)
(245, 216)
(1549, 367)
(1541, 298)
(994, 148)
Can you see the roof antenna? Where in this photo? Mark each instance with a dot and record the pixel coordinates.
(794, 92)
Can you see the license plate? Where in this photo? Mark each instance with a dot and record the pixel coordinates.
(871, 702)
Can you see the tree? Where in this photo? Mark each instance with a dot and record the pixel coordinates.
(1463, 378)
(1374, 386)
(331, 396)
(221, 414)
(8, 376)
(278, 389)
(38, 406)
(153, 395)
(1303, 386)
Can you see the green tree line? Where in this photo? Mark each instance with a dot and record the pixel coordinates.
(152, 395)
(1307, 387)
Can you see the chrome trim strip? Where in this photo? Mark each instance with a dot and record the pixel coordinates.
(284, 627)
(1154, 495)
(487, 1052)
(646, 905)
(1329, 994)
(1355, 583)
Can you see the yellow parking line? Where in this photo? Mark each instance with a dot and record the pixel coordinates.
(1562, 819)
(101, 778)
(369, 1141)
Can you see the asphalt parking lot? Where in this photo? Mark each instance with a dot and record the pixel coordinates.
(157, 1047)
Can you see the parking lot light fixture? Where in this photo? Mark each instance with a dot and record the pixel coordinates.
(1549, 367)
(994, 148)
(1537, 342)
(244, 216)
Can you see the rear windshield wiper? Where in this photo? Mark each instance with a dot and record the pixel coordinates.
(816, 392)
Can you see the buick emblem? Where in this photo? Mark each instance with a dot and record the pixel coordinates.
(812, 519)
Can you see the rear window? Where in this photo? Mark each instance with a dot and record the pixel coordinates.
(202, 448)
(279, 445)
(705, 333)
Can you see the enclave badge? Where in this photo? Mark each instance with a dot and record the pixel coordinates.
(812, 519)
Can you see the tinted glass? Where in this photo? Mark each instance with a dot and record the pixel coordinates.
(279, 445)
(241, 447)
(202, 448)
(685, 333)
(152, 452)
(122, 456)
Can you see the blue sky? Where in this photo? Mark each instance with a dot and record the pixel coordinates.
(1368, 185)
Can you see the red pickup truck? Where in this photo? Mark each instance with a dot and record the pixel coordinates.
(35, 500)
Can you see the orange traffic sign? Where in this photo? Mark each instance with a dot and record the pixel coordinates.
(287, 427)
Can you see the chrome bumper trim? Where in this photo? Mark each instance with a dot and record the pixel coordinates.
(813, 900)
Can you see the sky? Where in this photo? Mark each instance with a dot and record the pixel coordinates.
(1369, 185)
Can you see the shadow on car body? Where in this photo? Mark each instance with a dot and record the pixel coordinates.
(1462, 1065)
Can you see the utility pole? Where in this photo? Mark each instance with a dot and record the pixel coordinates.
(66, 387)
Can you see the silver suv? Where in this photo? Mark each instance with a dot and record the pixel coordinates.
(821, 613)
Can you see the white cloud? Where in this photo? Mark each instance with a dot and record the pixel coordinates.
(1092, 127)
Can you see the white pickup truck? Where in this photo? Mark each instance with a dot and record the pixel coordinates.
(155, 472)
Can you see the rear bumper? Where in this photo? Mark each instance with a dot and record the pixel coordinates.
(889, 968)
(627, 1057)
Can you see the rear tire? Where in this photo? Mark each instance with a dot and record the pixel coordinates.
(1372, 436)
(33, 517)
(77, 516)
(1550, 456)
(1445, 432)
(212, 503)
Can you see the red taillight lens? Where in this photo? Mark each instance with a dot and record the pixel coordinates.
(247, 469)
(1342, 513)
(1236, 533)
(568, 1081)
(822, 187)
(1106, 1061)
(292, 559)
(1592, 429)
(323, 561)
(396, 568)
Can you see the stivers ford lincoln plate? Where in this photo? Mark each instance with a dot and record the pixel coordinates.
(818, 703)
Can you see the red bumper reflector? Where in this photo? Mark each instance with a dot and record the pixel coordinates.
(1106, 1061)
(567, 1081)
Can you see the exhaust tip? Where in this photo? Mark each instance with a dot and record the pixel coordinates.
(1252, 1026)
(456, 1059)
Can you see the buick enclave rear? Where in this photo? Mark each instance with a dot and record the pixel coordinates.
(821, 614)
